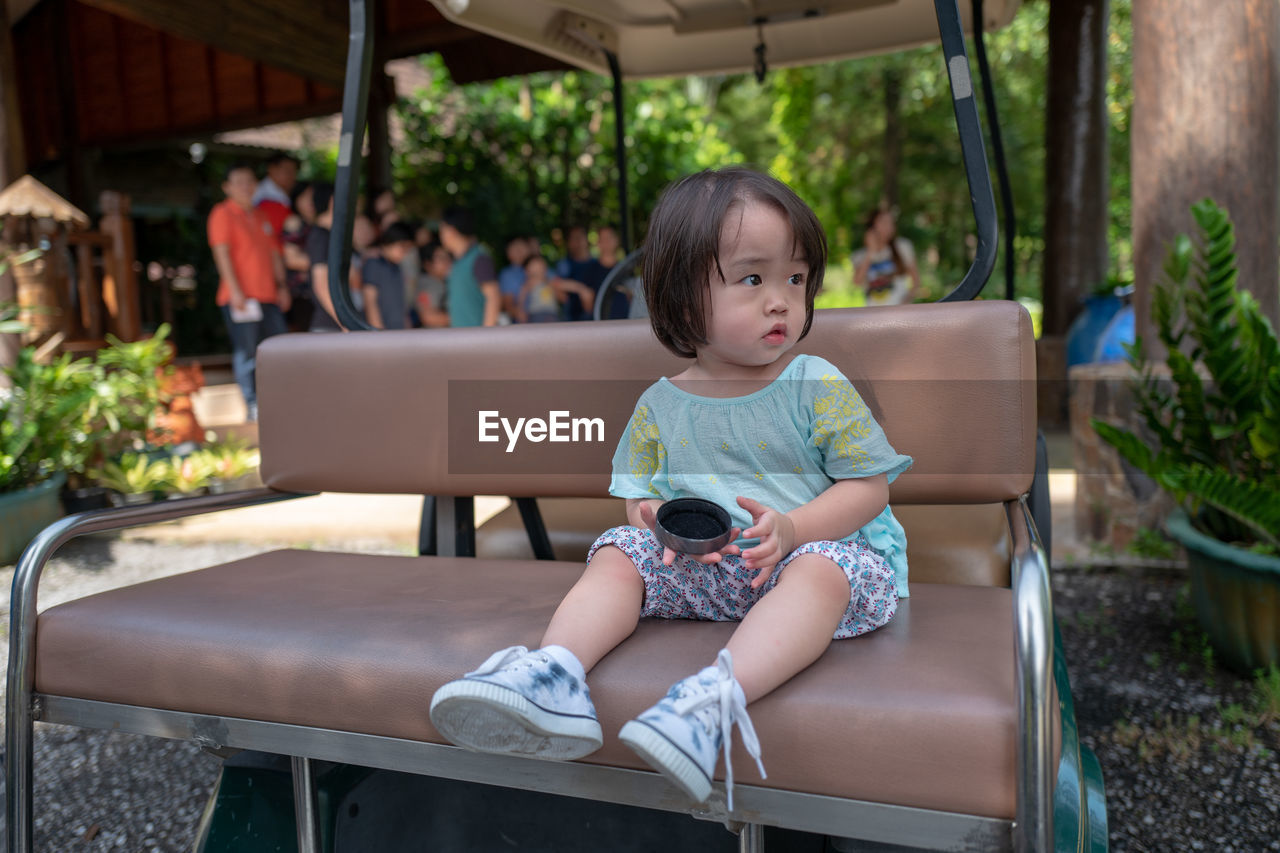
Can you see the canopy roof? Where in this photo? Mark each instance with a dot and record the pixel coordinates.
(28, 197)
(675, 37)
(119, 72)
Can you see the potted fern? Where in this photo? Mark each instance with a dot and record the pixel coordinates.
(1210, 437)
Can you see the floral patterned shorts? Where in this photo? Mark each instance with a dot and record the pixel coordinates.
(722, 592)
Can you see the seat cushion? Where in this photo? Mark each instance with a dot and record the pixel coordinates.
(919, 713)
(962, 543)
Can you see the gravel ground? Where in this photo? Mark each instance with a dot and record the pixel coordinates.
(1189, 753)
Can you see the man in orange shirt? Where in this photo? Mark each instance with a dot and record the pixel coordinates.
(251, 289)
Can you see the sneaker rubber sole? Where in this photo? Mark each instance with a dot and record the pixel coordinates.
(488, 717)
(667, 758)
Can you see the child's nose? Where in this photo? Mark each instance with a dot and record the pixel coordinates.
(776, 298)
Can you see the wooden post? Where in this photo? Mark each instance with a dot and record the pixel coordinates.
(120, 279)
(382, 94)
(13, 156)
(1206, 122)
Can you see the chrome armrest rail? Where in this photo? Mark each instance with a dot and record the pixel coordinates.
(1033, 622)
(22, 620)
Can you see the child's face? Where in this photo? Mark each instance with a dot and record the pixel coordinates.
(395, 252)
(535, 270)
(758, 311)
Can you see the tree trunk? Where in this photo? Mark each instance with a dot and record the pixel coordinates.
(892, 135)
(1206, 122)
(1075, 255)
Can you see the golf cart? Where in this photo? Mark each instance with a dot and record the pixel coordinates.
(952, 728)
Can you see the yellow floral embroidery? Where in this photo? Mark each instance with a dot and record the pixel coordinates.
(759, 476)
(646, 452)
(798, 469)
(762, 445)
(842, 421)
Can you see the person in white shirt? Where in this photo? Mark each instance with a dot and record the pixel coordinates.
(885, 267)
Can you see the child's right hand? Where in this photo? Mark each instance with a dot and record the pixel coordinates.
(650, 518)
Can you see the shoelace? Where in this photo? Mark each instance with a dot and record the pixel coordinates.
(499, 660)
(731, 709)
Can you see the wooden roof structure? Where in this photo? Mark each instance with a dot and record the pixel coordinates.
(101, 73)
(28, 197)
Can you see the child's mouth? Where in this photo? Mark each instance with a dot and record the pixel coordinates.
(776, 335)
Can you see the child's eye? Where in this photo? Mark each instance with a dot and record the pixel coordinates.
(753, 280)
(798, 278)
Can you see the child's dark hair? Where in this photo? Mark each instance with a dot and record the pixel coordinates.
(682, 249)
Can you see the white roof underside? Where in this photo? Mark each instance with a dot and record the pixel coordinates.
(659, 38)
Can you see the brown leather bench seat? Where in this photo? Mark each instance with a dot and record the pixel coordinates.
(921, 713)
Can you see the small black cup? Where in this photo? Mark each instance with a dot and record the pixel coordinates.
(693, 526)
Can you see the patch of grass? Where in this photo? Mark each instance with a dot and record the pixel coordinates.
(1152, 544)
(1234, 731)
(1266, 694)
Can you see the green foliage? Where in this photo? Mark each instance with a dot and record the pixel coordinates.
(537, 153)
(1214, 423)
(134, 474)
(72, 415)
(1152, 544)
(42, 419)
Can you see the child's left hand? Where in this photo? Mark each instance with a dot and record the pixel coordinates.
(777, 535)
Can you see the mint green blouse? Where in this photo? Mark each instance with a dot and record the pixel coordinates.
(782, 445)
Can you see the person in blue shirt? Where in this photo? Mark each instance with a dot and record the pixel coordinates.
(511, 277)
(783, 441)
(579, 266)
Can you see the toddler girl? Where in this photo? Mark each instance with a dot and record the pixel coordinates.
(733, 261)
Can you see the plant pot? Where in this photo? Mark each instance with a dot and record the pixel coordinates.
(1236, 595)
(86, 499)
(131, 498)
(25, 513)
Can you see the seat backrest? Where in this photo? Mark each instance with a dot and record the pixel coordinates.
(952, 384)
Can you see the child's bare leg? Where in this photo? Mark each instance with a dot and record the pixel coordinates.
(791, 626)
(601, 610)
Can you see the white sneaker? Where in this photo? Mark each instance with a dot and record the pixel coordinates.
(682, 734)
(519, 703)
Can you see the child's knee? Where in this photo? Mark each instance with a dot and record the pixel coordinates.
(612, 560)
(816, 571)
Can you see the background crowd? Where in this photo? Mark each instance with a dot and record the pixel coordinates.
(270, 241)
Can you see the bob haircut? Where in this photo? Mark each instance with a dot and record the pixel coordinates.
(682, 249)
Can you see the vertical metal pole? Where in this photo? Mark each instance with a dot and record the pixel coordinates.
(972, 151)
(620, 146)
(355, 101)
(427, 527)
(539, 541)
(19, 714)
(306, 810)
(751, 838)
(997, 149)
(464, 519)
